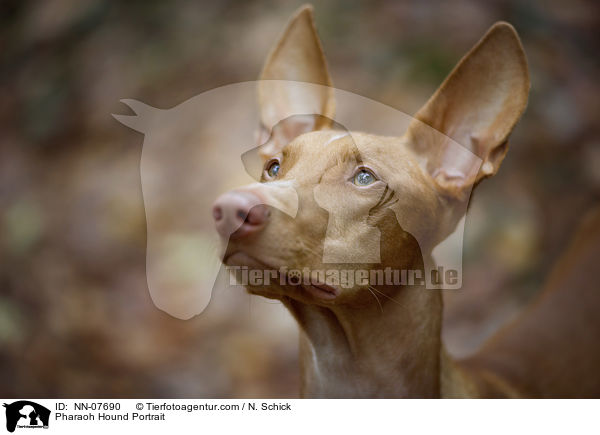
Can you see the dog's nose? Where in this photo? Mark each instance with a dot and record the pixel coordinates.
(239, 214)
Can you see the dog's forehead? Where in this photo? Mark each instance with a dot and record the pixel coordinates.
(356, 147)
(317, 141)
(319, 148)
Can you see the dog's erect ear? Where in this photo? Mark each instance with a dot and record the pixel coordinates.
(297, 57)
(477, 106)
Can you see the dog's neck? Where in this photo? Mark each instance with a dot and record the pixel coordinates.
(390, 351)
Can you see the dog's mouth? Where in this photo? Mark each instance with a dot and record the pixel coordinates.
(281, 276)
(240, 258)
(322, 291)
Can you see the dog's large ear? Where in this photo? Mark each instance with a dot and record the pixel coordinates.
(296, 59)
(477, 106)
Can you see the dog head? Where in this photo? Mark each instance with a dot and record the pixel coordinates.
(329, 199)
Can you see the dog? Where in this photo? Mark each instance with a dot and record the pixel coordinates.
(331, 199)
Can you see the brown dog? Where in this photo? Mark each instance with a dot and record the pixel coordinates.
(383, 340)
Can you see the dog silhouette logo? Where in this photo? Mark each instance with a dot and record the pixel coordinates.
(191, 155)
(26, 414)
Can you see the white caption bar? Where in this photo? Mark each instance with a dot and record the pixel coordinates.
(150, 416)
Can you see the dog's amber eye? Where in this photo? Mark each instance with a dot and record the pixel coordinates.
(364, 178)
(273, 168)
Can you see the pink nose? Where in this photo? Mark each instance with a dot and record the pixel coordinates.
(239, 214)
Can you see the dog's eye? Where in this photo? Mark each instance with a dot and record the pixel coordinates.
(364, 177)
(273, 168)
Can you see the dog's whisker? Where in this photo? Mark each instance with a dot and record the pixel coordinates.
(377, 299)
(387, 296)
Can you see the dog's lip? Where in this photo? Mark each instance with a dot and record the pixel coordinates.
(322, 291)
(247, 256)
(318, 290)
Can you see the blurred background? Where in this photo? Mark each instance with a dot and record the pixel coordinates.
(76, 319)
